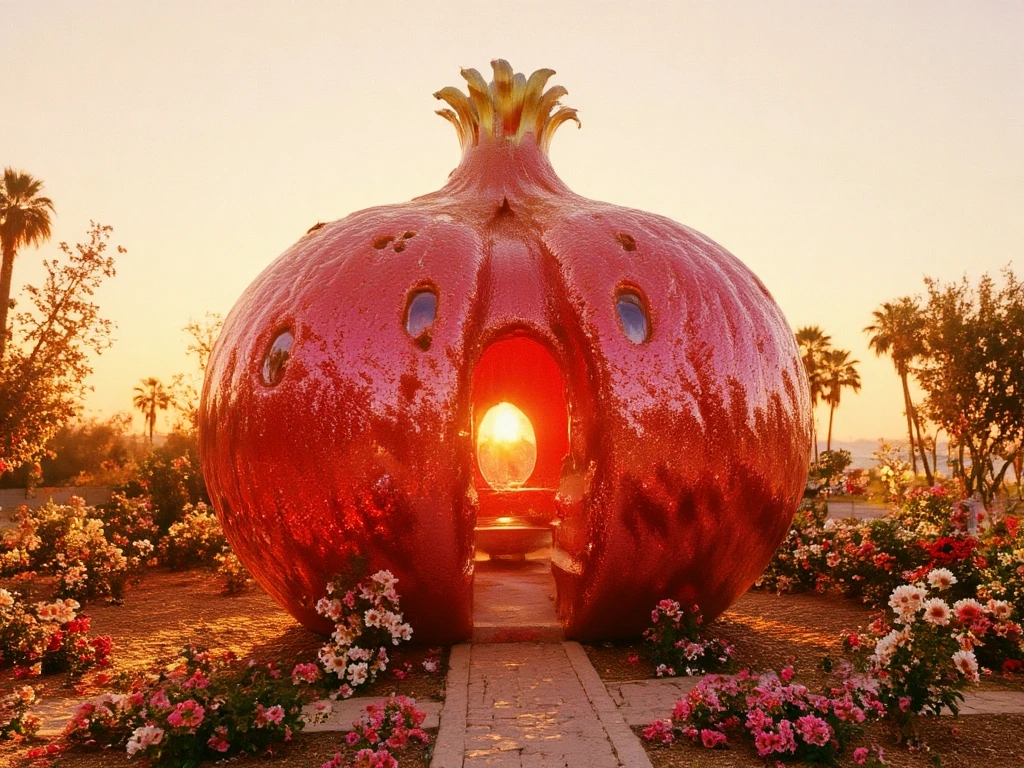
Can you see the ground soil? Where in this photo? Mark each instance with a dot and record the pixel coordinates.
(168, 610)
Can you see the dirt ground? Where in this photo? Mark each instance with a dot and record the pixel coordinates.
(169, 609)
(769, 631)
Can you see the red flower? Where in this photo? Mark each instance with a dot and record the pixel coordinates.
(949, 550)
(1010, 666)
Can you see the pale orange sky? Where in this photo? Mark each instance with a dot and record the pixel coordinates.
(841, 150)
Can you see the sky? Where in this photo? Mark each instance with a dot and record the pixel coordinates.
(843, 151)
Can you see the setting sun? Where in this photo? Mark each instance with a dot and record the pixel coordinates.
(506, 447)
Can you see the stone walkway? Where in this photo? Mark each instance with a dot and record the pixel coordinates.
(531, 705)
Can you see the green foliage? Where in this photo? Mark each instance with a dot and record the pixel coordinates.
(973, 376)
(829, 467)
(89, 452)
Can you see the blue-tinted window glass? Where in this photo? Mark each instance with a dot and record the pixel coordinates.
(633, 317)
(277, 358)
(421, 312)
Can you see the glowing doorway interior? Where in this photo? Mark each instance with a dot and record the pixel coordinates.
(506, 447)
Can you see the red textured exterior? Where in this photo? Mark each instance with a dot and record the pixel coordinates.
(684, 459)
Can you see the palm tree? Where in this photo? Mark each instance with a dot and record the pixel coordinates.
(24, 220)
(150, 397)
(898, 331)
(813, 343)
(839, 374)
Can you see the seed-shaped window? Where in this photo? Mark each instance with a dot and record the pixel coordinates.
(633, 317)
(421, 312)
(276, 359)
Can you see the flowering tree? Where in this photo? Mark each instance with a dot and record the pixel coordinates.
(43, 372)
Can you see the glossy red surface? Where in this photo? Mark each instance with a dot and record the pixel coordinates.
(677, 463)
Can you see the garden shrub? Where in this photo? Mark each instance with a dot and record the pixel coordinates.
(71, 542)
(783, 720)
(14, 717)
(367, 620)
(196, 539)
(45, 638)
(675, 646)
(922, 652)
(202, 707)
(235, 576)
(384, 727)
(171, 479)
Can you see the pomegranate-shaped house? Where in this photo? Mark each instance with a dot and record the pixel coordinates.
(503, 356)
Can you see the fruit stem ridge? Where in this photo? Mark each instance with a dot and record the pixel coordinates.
(506, 109)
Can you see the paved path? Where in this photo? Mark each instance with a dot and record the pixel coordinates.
(531, 705)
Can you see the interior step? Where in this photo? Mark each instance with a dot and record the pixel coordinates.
(514, 602)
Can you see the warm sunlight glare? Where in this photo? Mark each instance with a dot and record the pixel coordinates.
(506, 447)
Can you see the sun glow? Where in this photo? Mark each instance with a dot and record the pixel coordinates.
(506, 447)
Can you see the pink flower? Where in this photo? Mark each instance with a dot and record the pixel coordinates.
(787, 674)
(860, 755)
(305, 673)
(198, 680)
(712, 739)
(814, 730)
(188, 714)
(217, 742)
(352, 737)
(272, 714)
(659, 732)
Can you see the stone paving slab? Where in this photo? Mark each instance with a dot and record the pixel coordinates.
(641, 702)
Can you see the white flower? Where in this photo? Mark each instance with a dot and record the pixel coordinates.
(332, 662)
(6, 599)
(372, 617)
(357, 673)
(965, 662)
(385, 578)
(1000, 609)
(941, 578)
(906, 601)
(343, 635)
(143, 737)
(359, 654)
(888, 645)
(936, 611)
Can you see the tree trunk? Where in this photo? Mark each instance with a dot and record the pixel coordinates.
(924, 455)
(909, 408)
(831, 410)
(152, 423)
(6, 276)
